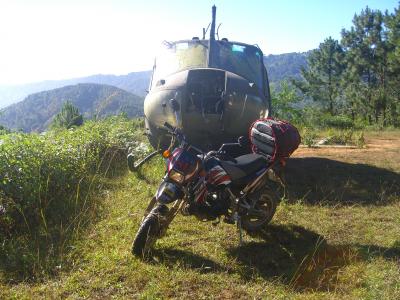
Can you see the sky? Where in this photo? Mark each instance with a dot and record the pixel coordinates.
(61, 39)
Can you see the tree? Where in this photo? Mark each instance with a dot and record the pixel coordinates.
(68, 117)
(322, 78)
(392, 22)
(4, 130)
(284, 102)
(366, 56)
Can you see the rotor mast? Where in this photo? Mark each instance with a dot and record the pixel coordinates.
(212, 38)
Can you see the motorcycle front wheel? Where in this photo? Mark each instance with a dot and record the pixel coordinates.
(149, 231)
(261, 208)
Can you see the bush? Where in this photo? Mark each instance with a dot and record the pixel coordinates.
(345, 137)
(340, 122)
(4, 130)
(308, 137)
(48, 185)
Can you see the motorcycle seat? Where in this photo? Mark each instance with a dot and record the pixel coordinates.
(244, 166)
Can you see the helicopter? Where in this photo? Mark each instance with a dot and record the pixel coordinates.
(213, 89)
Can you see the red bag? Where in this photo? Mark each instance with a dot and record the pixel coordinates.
(274, 138)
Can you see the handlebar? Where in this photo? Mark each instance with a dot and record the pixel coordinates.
(169, 126)
(176, 132)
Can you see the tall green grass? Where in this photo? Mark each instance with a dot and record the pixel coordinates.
(51, 188)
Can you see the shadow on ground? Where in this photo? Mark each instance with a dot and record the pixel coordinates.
(172, 257)
(302, 258)
(299, 258)
(316, 180)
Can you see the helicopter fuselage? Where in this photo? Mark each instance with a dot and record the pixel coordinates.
(221, 88)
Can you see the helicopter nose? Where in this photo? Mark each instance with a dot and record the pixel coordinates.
(206, 89)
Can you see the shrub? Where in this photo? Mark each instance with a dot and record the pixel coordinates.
(48, 185)
(308, 137)
(340, 121)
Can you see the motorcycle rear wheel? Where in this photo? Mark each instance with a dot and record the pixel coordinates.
(263, 205)
(149, 231)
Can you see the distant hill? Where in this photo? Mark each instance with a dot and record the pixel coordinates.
(36, 112)
(285, 66)
(280, 67)
(135, 82)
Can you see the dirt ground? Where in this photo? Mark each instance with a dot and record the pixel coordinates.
(381, 149)
(347, 174)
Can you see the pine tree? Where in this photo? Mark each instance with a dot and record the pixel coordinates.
(68, 117)
(322, 78)
(392, 22)
(367, 57)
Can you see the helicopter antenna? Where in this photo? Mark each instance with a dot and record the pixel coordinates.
(167, 44)
(212, 31)
(218, 30)
(205, 31)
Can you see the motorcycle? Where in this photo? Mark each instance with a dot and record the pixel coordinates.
(210, 186)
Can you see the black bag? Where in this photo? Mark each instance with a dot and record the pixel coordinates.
(275, 139)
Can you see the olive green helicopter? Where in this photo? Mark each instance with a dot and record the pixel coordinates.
(212, 89)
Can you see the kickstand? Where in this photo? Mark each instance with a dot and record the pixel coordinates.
(239, 226)
(216, 222)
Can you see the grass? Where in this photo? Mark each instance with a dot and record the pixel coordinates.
(336, 236)
(332, 136)
(49, 189)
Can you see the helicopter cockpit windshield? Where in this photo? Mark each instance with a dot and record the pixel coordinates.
(179, 56)
(241, 59)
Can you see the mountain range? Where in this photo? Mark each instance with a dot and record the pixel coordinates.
(37, 111)
(135, 82)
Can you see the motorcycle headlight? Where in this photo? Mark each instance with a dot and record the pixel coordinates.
(176, 176)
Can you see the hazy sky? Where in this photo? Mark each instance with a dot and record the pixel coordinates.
(59, 39)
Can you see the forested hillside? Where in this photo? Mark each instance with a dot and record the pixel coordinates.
(135, 82)
(285, 66)
(93, 100)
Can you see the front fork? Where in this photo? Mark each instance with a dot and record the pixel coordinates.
(167, 219)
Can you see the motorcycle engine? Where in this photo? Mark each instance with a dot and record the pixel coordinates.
(216, 204)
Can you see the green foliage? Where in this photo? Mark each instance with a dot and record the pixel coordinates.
(338, 121)
(340, 137)
(68, 117)
(308, 137)
(358, 78)
(321, 79)
(4, 130)
(48, 185)
(284, 103)
(366, 72)
(283, 66)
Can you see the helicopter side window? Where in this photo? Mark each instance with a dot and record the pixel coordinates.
(179, 56)
(243, 60)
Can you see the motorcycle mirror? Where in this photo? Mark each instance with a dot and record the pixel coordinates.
(243, 141)
(174, 105)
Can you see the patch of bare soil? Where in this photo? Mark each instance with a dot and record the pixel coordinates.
(370, 175)
(380, 150)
